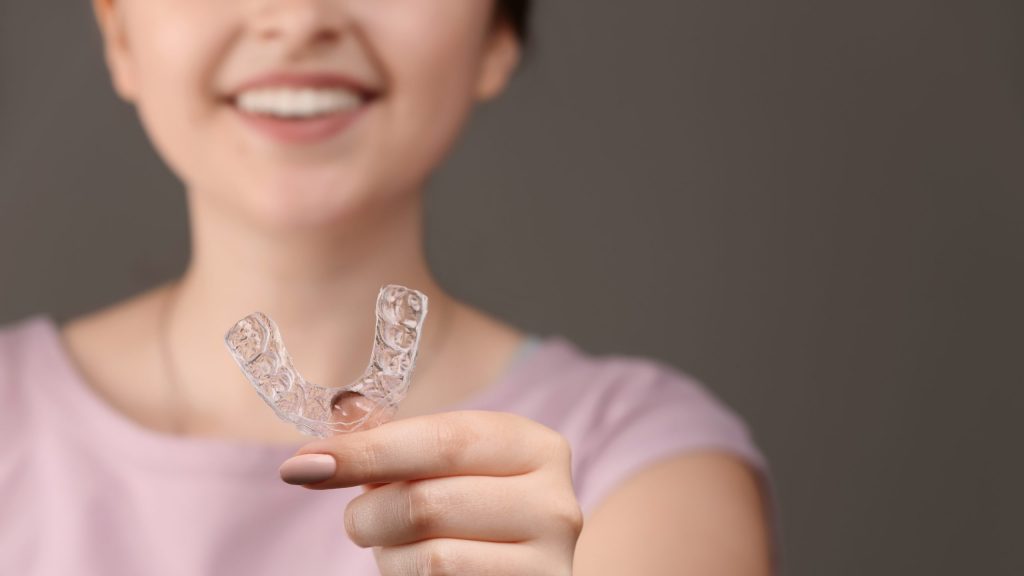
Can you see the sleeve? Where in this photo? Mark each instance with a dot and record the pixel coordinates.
(12, 393)
(644, 411)
(16, 518)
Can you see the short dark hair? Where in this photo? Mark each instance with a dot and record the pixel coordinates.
(517, 14)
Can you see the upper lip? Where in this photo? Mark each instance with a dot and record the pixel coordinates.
(304, 80)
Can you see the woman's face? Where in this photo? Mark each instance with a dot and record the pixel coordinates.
(359, 99)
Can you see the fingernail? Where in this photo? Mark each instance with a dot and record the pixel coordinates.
(308, 469)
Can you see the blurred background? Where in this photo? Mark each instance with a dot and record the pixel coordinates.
(815, 207)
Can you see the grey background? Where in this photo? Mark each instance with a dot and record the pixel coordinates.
(814, 207)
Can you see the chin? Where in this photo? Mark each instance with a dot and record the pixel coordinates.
(294, 204)
(297, 208)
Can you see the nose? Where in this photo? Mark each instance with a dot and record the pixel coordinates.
(300, 25)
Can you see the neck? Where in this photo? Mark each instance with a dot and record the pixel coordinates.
(319, 286)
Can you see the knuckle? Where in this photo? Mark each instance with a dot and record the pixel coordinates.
(562, 511)
(517, 423)
(367, 456)
(353, 526)
(422, 507)
(559, 449)
(562, 447)
(452, 439)
(570, 517)
(438, 559)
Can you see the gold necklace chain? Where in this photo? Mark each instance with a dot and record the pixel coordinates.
(176, 396)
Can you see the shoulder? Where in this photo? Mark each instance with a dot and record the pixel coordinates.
(25, 350)
(623, 413)
(21, 343)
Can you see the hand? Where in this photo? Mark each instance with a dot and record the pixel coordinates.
(468, 493)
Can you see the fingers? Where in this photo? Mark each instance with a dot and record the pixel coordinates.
(443, 557)
(479, 493)
(483, 508)
(450, 444)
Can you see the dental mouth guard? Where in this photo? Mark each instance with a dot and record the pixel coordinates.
(256, 346)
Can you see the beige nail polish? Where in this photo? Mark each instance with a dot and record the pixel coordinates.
(308, 469)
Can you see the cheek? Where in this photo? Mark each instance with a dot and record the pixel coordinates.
(179, 50)
(432, 52)
(174, 50)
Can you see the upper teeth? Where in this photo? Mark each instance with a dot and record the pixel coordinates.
(300, 102)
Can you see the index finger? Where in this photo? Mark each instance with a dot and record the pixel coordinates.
(450, 444)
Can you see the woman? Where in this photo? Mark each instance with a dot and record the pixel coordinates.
(304, 132)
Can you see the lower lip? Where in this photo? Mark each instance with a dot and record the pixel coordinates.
(301, 130)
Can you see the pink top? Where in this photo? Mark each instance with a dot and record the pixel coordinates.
(85, 490)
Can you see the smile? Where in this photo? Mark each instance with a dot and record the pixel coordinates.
(287, 102)
(300, 115)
